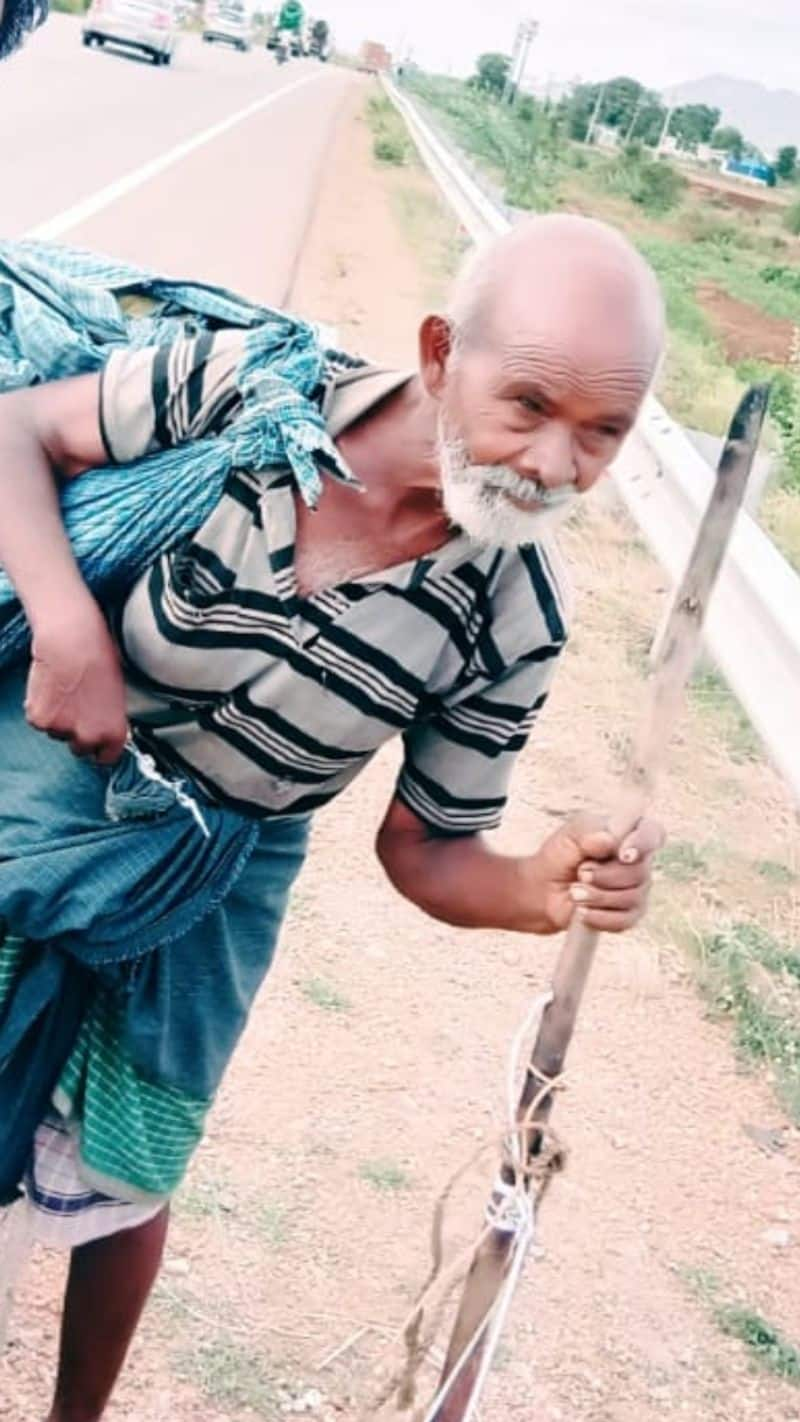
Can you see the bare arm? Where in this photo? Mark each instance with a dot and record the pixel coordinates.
(579, 869)
(75, 689)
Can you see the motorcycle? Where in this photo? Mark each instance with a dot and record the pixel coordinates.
(283, 48)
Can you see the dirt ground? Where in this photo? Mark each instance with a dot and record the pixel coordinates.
(744, 331)
(730, 193)
(374, 1062)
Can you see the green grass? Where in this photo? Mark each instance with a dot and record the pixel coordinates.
(391, 143)
(775, 872)
(386, 1176)
(433, 234)
(765, 1345)
(753, 979)
(682, 861)
(216, 1199)
(202, 1202)
(229, 1375)
(710, 695)
(271, 1223)
(638, 646)
(780, 516)
(206, 1195)
(324, 995)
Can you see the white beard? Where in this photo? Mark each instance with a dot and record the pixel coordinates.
(475, 499)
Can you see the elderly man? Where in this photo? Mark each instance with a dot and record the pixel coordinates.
(267, 656)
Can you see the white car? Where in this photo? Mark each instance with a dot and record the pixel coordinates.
(149, 26)
(227, 22)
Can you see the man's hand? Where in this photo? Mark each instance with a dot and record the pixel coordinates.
(75, 688)
(582, 871)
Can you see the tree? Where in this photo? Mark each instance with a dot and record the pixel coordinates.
(692, 124)
(492, 73)
(622, 104)
(786, 162)
(728, 140)
(648, 121)
(576, 110)
(620, 101)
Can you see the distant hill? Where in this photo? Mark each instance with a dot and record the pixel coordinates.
(767, 117)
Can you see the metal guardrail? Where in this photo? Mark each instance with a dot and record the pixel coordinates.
(753, 627)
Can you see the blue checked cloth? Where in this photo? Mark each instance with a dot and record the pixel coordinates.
(63, 311)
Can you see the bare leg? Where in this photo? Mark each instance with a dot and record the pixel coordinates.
(109, 1281)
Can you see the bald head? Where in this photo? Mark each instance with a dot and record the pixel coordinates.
(565, 277)
(552, 339)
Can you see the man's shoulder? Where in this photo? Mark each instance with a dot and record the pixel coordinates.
(535, 590)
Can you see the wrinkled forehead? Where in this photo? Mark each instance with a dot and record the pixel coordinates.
(570, 334)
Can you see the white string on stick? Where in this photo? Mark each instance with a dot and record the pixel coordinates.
(511, 1209)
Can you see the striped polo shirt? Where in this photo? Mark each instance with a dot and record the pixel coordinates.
(270, 702)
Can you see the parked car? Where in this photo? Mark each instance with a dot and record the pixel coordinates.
(149, 26)
(227, 22)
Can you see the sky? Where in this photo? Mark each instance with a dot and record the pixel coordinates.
(660, 42)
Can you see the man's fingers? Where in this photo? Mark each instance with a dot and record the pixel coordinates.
(618, 900)
(592, 834)
(609, 920)
(610, 874)
(110, 752)
(644, 840)
(105, 750)
(636, 848)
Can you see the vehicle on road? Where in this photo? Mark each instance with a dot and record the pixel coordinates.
(289, 22)
(375, 58)
(227, 22)
(148, 26)
(319, 45)
(282, 47)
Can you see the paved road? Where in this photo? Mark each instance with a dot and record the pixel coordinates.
(227, 206)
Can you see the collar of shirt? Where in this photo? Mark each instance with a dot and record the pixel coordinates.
(349, 395)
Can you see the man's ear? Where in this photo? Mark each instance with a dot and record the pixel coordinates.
(435, 349)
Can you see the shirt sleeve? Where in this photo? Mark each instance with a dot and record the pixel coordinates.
(159, 396)
(458, 763)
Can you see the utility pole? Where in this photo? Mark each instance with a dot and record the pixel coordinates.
(665, 129)
(596, 113)
(527, 30)
(629, 135)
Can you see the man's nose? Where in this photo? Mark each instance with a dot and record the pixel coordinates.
(550, 456)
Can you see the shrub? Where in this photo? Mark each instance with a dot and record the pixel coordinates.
(388, 149)
(659, 187)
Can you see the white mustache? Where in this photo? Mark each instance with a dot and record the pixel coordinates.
(505, 480)
(528, 491)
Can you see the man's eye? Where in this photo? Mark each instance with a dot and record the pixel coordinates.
(604, 432)
(530, 403)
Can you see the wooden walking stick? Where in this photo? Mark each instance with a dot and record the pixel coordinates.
(498, 1255)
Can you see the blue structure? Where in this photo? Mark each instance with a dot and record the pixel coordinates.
(753, 169)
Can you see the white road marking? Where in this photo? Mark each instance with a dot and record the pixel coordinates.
(80, 211)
